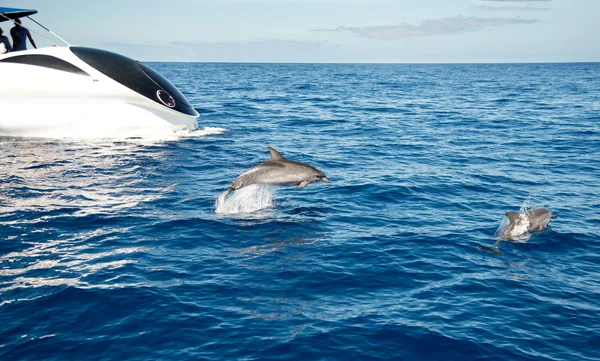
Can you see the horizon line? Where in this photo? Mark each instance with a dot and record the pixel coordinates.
(376, 63)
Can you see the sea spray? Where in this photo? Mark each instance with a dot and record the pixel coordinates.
(502, 227)
(528, 204)
(245, 200)
(519, 232)
(200, 132)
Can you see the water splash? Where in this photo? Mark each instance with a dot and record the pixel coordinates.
(245, 200)
(172, 135)
(520, 232)
(198, 133)
(502, 227)
(528, 204)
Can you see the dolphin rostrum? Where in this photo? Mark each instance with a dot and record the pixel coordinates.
(278, 171)
(533, 220)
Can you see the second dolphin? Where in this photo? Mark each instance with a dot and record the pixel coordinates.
(533, 220)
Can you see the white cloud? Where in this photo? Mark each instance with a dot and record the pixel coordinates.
(509, 8)
(442, 26)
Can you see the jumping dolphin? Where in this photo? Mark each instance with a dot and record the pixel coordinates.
(533, 220)
(279, 171)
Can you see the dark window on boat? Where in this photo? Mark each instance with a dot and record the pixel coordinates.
(45, 61)
(134, 75)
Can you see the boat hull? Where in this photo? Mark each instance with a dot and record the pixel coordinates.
(55, 93)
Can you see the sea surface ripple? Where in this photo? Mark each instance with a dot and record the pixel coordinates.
(113, 249)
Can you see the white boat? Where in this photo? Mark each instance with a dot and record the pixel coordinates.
(70, 90)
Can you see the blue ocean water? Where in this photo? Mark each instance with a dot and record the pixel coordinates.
(114, 250)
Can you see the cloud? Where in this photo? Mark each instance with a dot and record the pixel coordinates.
(508, 8)
(442, 26)
(515, 7)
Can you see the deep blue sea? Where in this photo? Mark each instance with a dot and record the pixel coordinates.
(114, 250)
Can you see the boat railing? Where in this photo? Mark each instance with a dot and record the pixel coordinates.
(38, 34)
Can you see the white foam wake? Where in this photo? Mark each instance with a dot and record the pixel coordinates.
(245, 200)
(92, 121)
(120, 134)
(200, 132)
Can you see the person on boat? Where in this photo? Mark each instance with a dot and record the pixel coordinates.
(20, 35)
(4, 43)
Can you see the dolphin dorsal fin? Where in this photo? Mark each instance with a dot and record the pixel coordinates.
(275, 154)
(512, 216)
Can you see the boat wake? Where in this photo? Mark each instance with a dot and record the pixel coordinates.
(103, 127)
(199, 132)
(245, 200)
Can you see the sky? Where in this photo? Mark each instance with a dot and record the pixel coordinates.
(326, 31)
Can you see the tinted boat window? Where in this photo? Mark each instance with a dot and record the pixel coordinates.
(45, 61)
(163, 82)
(134, 75)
